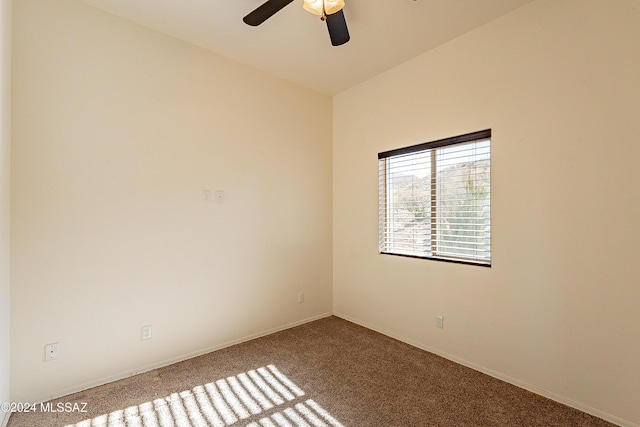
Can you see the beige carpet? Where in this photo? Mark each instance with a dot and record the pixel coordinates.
(328, 373)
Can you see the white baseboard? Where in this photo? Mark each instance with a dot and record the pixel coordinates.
(518, 383)
(170, 361)
(5, 418)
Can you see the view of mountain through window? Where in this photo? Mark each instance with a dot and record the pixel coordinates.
(435, 199)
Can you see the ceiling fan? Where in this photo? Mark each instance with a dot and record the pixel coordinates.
(328, 10)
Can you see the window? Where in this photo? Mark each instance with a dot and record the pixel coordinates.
(435, 199)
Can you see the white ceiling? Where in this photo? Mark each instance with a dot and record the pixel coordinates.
(294, 44)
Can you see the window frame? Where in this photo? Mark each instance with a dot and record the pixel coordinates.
(432, 146)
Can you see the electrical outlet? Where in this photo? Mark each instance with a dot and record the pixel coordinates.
(51, 351)
(146, 332)
(440, 322)
(300, 298)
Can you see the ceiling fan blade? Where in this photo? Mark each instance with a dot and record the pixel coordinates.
(265, 11)
(338, 30)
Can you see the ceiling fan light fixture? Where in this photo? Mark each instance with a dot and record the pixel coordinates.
(314, 6)
(323, 7)
(333, 6)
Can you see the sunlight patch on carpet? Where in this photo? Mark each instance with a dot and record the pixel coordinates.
(262, 397)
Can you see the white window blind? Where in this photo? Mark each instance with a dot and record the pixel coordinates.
(435, 199)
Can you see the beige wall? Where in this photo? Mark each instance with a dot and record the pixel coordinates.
(5, 222)
(117, 130)
(557, 82)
